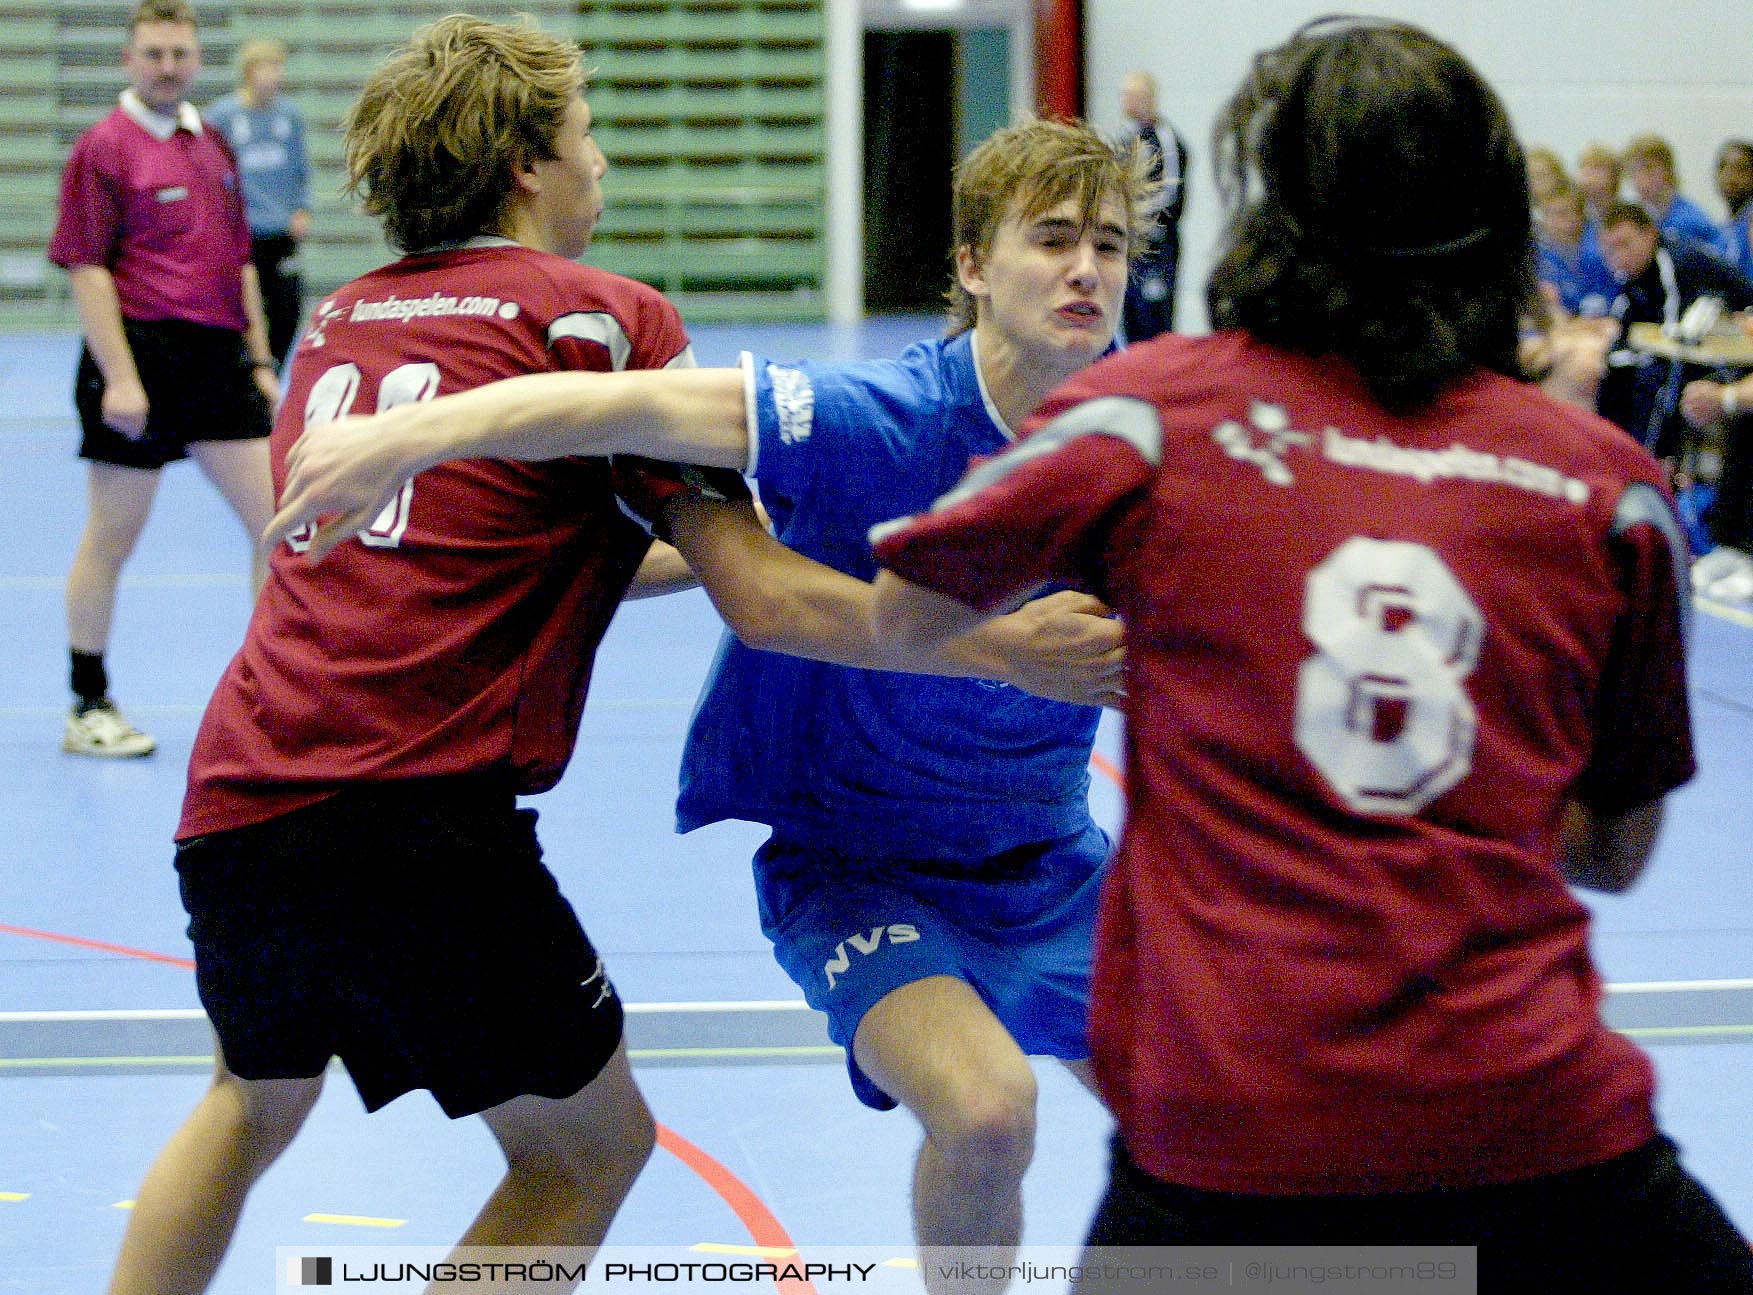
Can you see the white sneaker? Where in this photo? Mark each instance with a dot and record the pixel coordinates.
(104, 730)
(1716, 564)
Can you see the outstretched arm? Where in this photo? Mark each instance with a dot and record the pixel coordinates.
(916, 619)
(345, 472)
(1608, 852)
(1065, 646)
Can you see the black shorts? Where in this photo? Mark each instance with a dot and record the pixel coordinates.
(1638, 1222)
(409, 929)
(199, 387)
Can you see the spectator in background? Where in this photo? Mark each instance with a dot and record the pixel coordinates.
(1573, 272)
(1150, 293)
(1598, 171)
(176, 363)
(1546, 175)
(1734, 181)
(1649, 168)
(1659, 278)
(266, 131)
(1726, 572)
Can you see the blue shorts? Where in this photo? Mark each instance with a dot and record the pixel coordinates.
(1018, 928)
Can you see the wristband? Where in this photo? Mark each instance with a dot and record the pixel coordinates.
(263, 364)
(1731, 401)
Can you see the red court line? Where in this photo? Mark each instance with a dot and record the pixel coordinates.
(1108, 769)
(102, 947)
(766, 1230)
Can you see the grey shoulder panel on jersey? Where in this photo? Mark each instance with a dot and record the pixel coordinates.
(595, 326)
(1643, 504)
(1125, 418)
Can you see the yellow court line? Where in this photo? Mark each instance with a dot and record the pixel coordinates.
(355, 1220)
(12, 1198)
(123, 1205)
(759, 1252)
(1723, 611)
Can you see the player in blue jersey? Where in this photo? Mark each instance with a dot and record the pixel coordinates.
(931, 878)
(932, 874)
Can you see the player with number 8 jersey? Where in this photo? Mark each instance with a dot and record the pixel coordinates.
(542, 546)
(1336, 669)
(1405, 656)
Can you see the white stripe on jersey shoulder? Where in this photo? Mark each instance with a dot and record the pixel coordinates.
(746, 362)
(1126, 418)
(985, 393)
(684, 359)
(595, 326)
(1642, 503)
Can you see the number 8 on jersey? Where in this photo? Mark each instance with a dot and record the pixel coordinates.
(1380, 707)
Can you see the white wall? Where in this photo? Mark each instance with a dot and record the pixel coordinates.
(1570, 74)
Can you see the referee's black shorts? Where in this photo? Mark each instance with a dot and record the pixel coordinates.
(199, 387)
(410, 929)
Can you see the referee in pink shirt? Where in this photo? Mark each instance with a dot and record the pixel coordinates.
(176, 361)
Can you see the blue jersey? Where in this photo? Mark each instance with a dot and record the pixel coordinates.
(1737, 239)
(1685, 221)
(271, 159)
(1585, 285)
(869, 762)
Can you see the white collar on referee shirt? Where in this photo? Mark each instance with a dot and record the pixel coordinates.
(161, 126)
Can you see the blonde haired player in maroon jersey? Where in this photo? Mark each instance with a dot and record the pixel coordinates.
(359, 878)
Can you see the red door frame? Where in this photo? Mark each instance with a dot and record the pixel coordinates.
(1059, 35)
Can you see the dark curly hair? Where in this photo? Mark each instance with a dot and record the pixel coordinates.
(1378, 209)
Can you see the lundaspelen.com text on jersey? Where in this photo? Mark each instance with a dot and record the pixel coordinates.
(401, 310)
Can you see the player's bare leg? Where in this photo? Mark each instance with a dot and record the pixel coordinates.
(240, 471)
(119, 500)
(935, 1047)
(569, 1165)
(188, 1207)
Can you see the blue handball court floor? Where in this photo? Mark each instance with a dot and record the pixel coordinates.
(103, 1050)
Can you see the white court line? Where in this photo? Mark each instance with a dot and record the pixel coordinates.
(197, 1013)
(1723, 611)
(770, 1005)
(194, 580)
(123, 1014)
(595, 707)
(1679, 986)
(777, 1005)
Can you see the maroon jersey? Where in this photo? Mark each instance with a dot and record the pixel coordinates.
(163, 212)
(1370, 658)
(457, 634)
